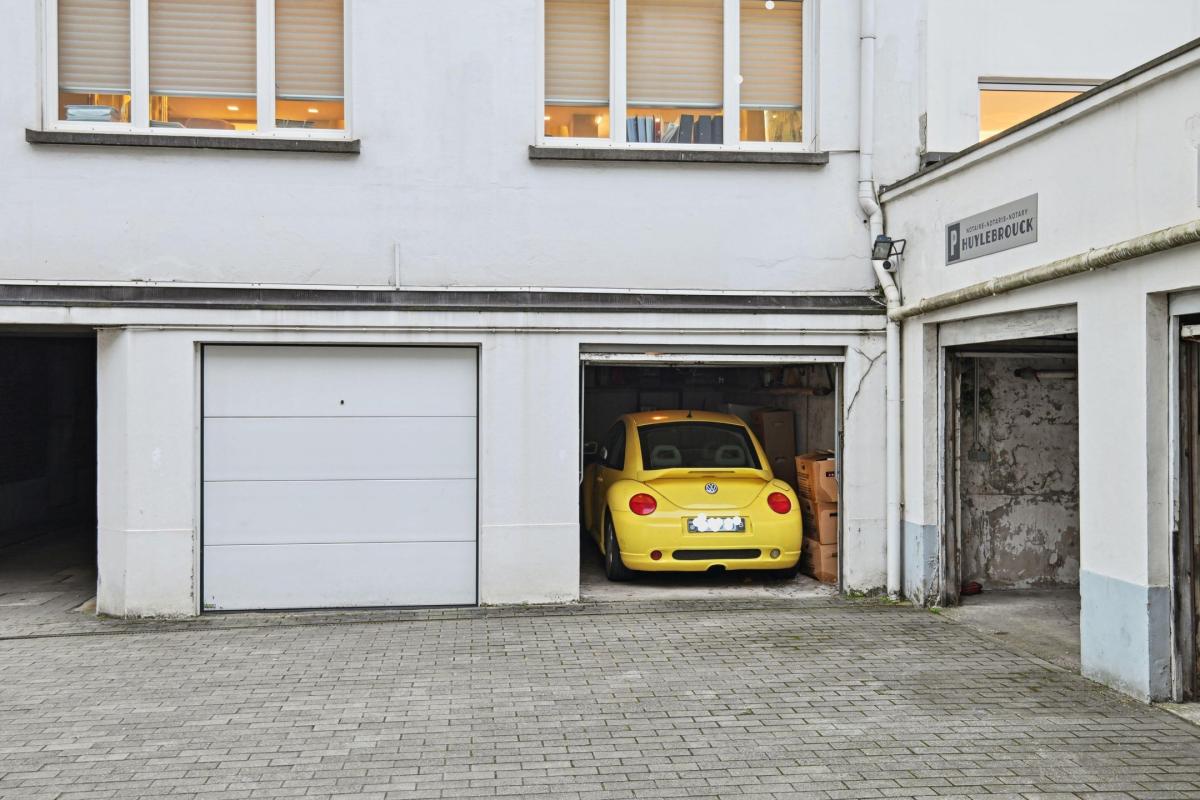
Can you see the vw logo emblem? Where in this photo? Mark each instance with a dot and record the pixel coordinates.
(711, 488)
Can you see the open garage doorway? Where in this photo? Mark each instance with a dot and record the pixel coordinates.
(47, 473)
(1012, 561)
(790, 404)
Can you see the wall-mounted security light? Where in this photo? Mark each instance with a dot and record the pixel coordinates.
(887, 248)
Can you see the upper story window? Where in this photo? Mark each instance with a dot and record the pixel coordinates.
(1004, 103)
(707, 73)
(256, 67)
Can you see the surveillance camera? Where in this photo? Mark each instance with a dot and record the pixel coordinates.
(889, 265)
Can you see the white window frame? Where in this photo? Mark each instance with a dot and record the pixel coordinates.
(139, 64)
(1081, 85)
(617, 103)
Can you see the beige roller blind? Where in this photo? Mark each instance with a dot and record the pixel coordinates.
(675, 52)
(203, 48)
(577, 52)
(772, 67)
(308, 49)
(93, 46)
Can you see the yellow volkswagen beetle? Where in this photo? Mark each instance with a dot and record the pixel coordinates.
(688, 491)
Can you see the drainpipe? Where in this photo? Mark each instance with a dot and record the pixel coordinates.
(870, 206)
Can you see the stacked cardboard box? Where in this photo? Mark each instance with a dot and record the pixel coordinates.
(776, 432)
(816, 480)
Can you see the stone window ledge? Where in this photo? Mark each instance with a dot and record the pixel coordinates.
(193, 142)
(680, 156)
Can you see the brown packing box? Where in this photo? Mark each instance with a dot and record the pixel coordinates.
(776, 432)
(816, 477)
(784, 468)
(821, 560)
(820, 521)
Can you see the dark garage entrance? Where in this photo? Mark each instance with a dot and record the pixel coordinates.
(47, 471)
(1012, 492)
(802, 398)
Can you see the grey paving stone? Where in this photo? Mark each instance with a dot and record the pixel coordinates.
(707, 699)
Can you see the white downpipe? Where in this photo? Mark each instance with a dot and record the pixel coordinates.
(870, 206)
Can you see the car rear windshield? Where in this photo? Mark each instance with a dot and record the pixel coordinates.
(696, 445)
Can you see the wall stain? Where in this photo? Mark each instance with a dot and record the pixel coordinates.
(1020, 507)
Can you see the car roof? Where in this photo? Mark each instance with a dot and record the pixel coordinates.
(663, 417)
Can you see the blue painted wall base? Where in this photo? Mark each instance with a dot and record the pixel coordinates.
(1125, 633)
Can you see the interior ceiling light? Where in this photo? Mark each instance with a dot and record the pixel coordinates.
(313, 110)
(232, 108)
(770, 4)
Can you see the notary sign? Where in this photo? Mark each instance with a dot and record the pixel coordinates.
(1002, 228)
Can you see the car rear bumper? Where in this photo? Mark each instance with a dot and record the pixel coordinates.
(679, 551)
(697, 559)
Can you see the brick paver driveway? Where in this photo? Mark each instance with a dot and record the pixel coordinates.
(819, 699)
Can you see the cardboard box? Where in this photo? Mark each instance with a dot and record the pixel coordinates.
(820, 521)
(784, 468)
(816, 477)
(776, 432)
(821, 561)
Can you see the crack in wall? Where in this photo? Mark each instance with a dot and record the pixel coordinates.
(863, 378)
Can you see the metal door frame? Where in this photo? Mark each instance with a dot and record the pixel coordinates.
(1186, 544)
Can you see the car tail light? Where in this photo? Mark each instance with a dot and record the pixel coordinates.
(642, 504)
(779, 502)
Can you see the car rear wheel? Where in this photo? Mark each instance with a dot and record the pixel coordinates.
(614, 567)
(788, 573)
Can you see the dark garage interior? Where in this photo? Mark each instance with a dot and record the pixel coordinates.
(47, 468)
(807, 395)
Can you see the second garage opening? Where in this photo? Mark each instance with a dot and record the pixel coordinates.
(1013, 492)
(791, 408)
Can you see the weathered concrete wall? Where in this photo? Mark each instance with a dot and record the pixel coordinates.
(1019, 477)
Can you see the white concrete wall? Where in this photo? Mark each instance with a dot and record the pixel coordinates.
(1120, 168)
(1100, 39)
(529, 457)
(444, 100)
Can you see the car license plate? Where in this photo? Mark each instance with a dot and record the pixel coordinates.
(704, 524)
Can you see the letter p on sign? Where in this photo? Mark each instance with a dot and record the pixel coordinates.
(953, 244)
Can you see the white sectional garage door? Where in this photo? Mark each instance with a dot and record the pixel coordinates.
(339, 476)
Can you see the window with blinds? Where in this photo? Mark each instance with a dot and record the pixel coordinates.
(577, 68)
(675, 71)
(309, 64)
(771, 70)
(674, 68)
(207, 63)
(204, 64)
(675, 53)
(93, 60)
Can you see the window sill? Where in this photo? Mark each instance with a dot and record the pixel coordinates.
(193, 142)
(682, 155)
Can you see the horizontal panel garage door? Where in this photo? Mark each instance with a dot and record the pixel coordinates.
(339, 476)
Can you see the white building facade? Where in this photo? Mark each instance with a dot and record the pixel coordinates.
(295, 226)
(1103, 298)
